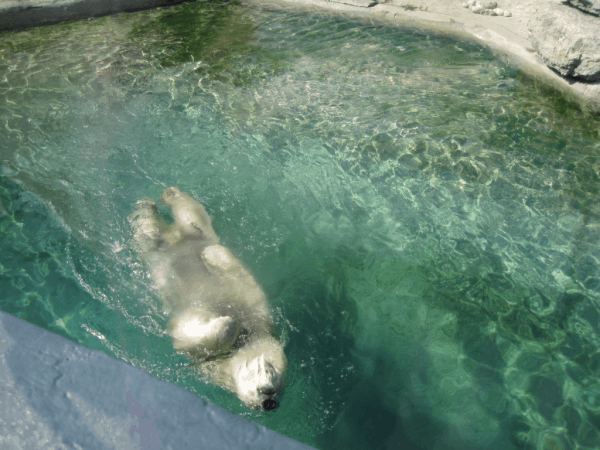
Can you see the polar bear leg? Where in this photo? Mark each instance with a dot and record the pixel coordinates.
(219, 260)
(148, 226)
(203, 334)
(190, 216)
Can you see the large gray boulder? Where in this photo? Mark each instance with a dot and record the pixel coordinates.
(590, 6)
(568, 41)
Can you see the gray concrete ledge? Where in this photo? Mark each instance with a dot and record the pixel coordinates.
(19, 14)
(56, 394)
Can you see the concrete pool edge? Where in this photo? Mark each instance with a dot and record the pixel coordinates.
(65, 395)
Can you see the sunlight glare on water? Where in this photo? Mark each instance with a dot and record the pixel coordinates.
(424, 222)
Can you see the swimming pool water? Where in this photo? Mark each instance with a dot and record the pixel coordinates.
(424, 221)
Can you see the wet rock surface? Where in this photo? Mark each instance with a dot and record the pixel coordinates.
(568, 41)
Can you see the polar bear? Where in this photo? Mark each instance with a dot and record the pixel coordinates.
(218, 314)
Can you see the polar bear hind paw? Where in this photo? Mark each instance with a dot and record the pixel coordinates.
(144, 209)
(146, 225)
(169, 194)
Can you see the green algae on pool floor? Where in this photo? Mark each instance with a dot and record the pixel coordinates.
(424, 222)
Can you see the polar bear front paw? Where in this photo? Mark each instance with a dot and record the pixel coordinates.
(219, 258)
(204, 338)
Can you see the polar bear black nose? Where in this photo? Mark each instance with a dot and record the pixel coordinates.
(269, 404)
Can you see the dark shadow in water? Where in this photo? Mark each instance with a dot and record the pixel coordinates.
(215, 34)
(369, 422)
(373, 407)
(383, 406)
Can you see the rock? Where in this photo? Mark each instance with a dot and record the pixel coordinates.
(486, 8)
(568, 41)
(361, 3)
(590, 6)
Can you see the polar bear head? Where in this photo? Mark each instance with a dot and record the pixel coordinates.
(258, 370)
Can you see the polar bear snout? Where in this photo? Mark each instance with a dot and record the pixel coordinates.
(258, 382)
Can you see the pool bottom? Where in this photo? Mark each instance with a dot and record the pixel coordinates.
(69, 396)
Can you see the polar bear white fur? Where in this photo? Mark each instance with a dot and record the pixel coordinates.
(218, 314)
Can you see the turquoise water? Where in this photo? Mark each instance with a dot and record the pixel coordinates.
(424, 221)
